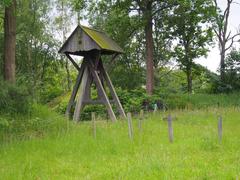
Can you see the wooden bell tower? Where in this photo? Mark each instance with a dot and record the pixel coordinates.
(91, 44)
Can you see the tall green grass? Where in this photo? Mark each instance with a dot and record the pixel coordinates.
(196, 101)
(75, 154)
(39, 122)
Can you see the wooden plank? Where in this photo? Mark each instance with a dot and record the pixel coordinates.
(82, 88)
(75, 89)
(94, 124)
(170, 128)
(220, 128)
(102, 91)
(140, 121)
(113, 91)
(79, 42)
(98, 101)
(98, 57)
(130, 127)
(101, 76)
(87, 95)
(73, 62)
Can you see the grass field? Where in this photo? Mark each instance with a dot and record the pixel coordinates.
(71, 152)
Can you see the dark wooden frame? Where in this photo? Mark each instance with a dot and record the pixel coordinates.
(92, 71)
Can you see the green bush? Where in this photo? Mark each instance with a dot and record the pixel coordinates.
(133, 101)
(40, 122)
(50, 93)
(14, 99)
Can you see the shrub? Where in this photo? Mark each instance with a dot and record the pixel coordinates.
(50, 93)
(132, 101)
(14, 99)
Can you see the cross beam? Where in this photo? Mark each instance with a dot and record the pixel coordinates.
(92, 71)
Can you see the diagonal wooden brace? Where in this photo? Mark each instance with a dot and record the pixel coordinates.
(101, 89)
(113, 91)
(75, 89)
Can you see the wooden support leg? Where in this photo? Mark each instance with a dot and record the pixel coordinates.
(101, 76)
(82, 89)
(104, 96)
(113, 92)
(87, 95)
(75, 89)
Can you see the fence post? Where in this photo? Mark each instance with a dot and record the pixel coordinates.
(220, 128)
(130, 128)
(94, 124)
(140, 121)
(170, 128)
(155, 107)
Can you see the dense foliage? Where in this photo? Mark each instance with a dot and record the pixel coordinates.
(136, 100)
(14, 99)
(181, 32)
(232, 74)
(192, 40)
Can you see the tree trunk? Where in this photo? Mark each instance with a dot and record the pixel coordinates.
(149, 49)
(222, 64)
(225, 38)
(10, 42)
(189, 79)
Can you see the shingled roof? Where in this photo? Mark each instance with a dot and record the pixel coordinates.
(85, 39)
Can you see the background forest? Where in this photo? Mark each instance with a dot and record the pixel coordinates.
(161, 40)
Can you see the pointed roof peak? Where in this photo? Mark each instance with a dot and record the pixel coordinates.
(84, 39)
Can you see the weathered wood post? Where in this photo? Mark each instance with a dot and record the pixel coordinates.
(91, 44)
(82, 90)
(220, 128)
(130, 127)
(140, 121)
(94, 124)
(164, 108)
(170, 128)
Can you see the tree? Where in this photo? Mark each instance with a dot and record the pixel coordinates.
(232, 70)
(141, 14)
(67, 9)
(78, 7)
(162, 40)
(63, 24)
(10, 42)
(225, 37)
(188, 25)
(34, 44)
(148, 9)
(233, 61)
